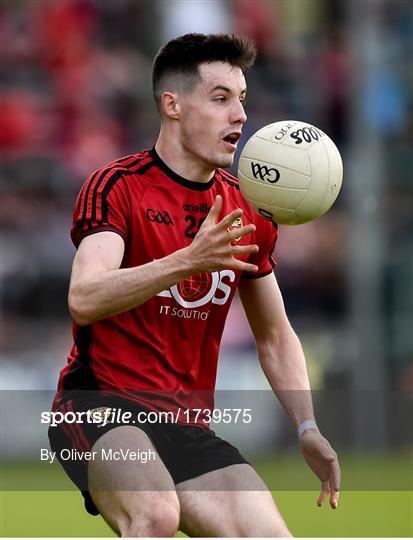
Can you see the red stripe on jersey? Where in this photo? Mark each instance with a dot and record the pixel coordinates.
(87, 203)
(90, 210)
(135, 168)
(93, 211)
(229, 179)
(228, 175)
(106, 185)
(87, 188)
(82, 194)
(120, 161)
(94, 205)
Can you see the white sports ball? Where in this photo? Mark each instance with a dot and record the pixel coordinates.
(290, 172)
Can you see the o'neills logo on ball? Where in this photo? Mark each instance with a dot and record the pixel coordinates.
(236, 224)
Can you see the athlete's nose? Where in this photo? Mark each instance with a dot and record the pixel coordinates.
(238, 113)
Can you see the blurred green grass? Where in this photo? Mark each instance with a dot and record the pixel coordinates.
(366, 512)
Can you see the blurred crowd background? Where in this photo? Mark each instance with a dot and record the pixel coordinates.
(75, 81)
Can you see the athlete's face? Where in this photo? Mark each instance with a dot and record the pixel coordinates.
(212, 114)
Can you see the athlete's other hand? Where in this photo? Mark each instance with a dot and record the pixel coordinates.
(323, 461)
(213, 248)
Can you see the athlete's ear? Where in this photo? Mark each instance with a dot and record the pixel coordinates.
(170, 105)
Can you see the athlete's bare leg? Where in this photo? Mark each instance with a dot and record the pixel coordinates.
(233, 501)
(136, 499)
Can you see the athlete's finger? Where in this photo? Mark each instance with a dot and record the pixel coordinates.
(253, 248)
(215, 210)
(334, 495)
(335, 475)
(229, 219)
(239, 232)
(242, 266)
(324, 492)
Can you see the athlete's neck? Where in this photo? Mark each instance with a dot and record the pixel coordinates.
(183, 162)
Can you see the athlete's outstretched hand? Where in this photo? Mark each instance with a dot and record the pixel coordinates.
(323, 461)
(213, 248)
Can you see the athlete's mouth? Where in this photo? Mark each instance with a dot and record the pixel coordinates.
(231, 140)
(233, 137)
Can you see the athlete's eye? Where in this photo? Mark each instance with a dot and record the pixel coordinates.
(220, 99)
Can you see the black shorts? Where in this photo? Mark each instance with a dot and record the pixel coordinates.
(187, 451)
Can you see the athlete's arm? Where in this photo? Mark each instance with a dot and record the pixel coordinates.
(99, 288)
(282, 360)
(279, 349)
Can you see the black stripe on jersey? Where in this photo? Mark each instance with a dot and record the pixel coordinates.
(229, 176)
(101, 180)
(257, 276)
(89, 224)
(229, 181)
(83, 342)
(124, 159)
(112, 181)
(104, 173)
(143, 169)
(80, 375)
(88, 186)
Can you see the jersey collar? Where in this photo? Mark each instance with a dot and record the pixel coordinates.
(189, 184)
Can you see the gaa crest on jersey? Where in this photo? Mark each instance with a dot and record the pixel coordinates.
(236, 224)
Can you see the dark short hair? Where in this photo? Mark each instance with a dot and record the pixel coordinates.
(180, 58)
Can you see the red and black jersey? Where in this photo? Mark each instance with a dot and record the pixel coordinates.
(169, 345)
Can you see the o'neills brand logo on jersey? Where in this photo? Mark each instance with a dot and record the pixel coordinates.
(201, 208)
(199, 289)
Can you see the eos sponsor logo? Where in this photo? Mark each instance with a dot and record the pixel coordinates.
(157, 216)
(264, 173)
(200, 289)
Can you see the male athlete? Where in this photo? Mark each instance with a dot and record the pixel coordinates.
(163, 239)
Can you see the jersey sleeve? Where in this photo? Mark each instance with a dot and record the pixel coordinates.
(265, 237)
(102, 205)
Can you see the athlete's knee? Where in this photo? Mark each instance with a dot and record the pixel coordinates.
(163, 520)
(157, 516)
